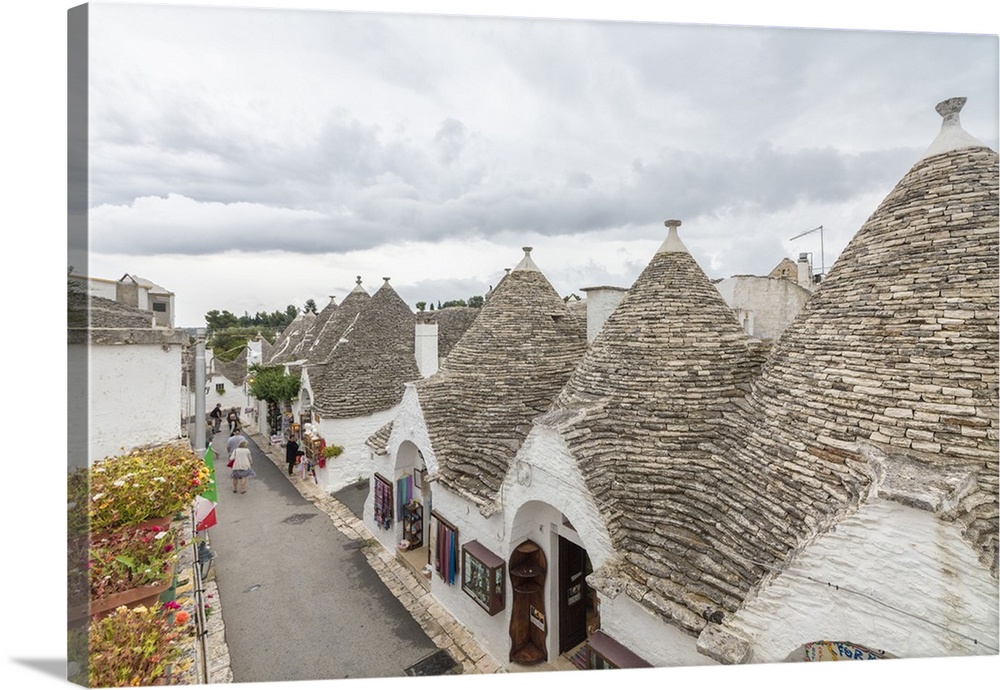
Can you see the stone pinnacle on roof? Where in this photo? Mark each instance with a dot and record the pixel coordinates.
(358, 287)
(673, 242)
(527, 264)
(386, 279)
(951, 137)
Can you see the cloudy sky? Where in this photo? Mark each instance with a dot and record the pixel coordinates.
(247, 159)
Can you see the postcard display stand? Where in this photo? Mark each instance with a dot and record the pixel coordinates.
(527, 617)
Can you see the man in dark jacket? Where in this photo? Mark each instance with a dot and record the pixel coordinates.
(292, 453)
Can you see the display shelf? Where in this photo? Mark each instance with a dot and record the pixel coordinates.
(413, 524)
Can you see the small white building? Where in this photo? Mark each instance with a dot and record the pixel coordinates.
(132, 377)
(136, 292)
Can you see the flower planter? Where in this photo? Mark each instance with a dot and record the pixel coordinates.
(146, 595)
(161, 522)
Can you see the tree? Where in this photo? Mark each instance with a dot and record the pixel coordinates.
(227, 344)
(421, 306)
(273, 384)
(217, 321)
(452, 303)
(310, 306)
(476, 301)
(275, 387)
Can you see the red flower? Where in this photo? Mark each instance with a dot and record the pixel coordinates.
(182, 617)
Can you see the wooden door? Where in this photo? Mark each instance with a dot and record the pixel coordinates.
(572, 595)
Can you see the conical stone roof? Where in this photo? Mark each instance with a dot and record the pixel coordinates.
(897, 351)
(340, 319)
(373, 359)
(639, 415)
(504, 371)
(894, 357)
(324, 316)
(290, 338)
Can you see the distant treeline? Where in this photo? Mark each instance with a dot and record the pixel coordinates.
(227, 334)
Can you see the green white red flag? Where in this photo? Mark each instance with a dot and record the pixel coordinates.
(204, 505)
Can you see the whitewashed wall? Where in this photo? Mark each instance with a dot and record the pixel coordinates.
(643, 632)
(886, 559)
(355, 462)
(491, 632)
(134, 397)
(773, 302)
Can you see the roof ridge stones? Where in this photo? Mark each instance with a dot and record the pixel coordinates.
(503, 372)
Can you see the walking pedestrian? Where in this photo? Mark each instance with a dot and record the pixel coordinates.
(292, 453)
(242, 467)
(234, 440)
(216, 415)
(234, 419)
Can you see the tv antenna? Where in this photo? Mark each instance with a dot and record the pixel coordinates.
(822, 258)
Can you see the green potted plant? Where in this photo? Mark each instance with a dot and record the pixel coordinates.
(145, 485)
(135, 647)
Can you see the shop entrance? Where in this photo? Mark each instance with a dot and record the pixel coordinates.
(577, 605)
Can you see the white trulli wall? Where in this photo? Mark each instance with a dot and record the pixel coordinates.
(408, 427)
(643, 632)
(355, 462)
(134, 396)
(889, 578)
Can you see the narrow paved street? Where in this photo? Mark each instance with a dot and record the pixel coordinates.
(299, 599)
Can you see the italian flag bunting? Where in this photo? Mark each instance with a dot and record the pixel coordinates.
(204, 505)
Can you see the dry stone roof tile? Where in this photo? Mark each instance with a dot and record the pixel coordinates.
(895, 355)
(370, 364)
(106, 313)
(505, 371)
(236, 370)
(379, 441)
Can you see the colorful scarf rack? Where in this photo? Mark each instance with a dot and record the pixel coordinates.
(446, 558)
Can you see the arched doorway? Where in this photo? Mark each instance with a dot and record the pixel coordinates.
(412, 506)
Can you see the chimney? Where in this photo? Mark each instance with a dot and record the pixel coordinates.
(601, 302)
(425, 348)
(805, 275)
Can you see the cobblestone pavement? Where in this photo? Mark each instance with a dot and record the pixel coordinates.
(447, 633)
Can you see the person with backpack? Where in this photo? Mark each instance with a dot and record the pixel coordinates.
(234, 420)
(216, 415)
